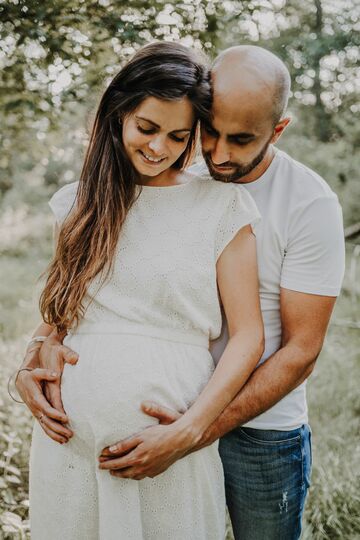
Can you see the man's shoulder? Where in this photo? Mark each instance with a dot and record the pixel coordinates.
(301, 179)
(199, 169)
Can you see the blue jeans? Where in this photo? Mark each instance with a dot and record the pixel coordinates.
(267, 475)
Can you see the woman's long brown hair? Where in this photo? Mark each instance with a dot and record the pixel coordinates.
(107, 187)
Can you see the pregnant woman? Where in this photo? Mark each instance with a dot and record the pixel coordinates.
(144, 251)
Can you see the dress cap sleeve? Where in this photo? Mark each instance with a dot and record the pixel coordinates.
(241, 210)
(63, 201)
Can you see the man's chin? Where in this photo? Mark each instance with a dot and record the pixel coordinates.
(230, 176)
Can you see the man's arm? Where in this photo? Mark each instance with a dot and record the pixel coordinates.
(304, 319)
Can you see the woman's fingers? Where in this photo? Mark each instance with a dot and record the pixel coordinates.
(52, 434)
(29, 385)
(42, 406)
(53, 395)
(56, 427)
(34, 397)
(163, 414)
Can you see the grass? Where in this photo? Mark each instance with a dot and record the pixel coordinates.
(333, 506)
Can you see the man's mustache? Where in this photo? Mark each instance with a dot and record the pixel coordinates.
(228, 164)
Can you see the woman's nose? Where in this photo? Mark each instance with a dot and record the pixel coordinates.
(157, 145)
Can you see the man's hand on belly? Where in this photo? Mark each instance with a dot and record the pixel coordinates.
(168, 416)
(148, 453)
(151, 451)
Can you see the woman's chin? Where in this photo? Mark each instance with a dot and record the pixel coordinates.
(149, 170)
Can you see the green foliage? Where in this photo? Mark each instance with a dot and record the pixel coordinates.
(336, 161)
(57, 55)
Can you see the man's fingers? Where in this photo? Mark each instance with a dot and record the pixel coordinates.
(129, 460)
(69, 356)
(128, 473)
(163, 414)
(125, 473)
(42, 374)
(120, 448)
(52, 392)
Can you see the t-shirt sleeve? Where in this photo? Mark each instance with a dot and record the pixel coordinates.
(63, 201)
(314, 260)
(241, 210)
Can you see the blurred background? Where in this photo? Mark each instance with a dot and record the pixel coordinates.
(56, 57)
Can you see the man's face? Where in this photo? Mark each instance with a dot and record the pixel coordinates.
(237, 139)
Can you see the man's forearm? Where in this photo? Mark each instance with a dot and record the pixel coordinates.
(269, 383)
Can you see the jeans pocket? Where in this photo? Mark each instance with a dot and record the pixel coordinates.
(270, 437)
(306, 456)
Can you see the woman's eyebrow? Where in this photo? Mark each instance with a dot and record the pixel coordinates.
(157, 125)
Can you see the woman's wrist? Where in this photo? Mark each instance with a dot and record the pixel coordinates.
(188, 431)
(31, 358)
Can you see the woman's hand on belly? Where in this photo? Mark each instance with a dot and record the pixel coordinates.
(148, 453)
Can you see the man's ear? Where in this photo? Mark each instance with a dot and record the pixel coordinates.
(279, 129)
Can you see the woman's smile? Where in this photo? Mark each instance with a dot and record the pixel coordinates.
(151, 160)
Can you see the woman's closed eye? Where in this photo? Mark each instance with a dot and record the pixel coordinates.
(148, 131)
(151, 131)
(177, 139)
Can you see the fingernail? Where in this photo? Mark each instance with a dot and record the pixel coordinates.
(112, 448)
(53, 374)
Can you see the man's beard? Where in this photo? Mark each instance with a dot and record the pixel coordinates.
(239, 170)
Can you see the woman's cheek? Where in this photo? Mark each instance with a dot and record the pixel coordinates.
(178, 149)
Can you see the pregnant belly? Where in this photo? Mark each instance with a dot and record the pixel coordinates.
(102, 393)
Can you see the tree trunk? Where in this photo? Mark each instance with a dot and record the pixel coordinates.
(322, 125)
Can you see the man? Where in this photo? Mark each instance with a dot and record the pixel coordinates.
(265, 439)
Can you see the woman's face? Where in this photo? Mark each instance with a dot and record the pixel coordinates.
(156, 134)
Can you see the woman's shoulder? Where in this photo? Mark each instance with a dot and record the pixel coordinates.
(63, 200)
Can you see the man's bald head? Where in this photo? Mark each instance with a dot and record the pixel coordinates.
(248, 72)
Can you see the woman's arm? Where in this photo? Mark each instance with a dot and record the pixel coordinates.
(31, 359)
(30, 387)
(152, 451)
(238, 285)
(40, 387)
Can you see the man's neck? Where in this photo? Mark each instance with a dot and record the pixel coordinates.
(259, 169)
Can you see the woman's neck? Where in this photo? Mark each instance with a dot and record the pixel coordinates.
(170, 177)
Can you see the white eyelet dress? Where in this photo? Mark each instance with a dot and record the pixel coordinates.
(145, 335)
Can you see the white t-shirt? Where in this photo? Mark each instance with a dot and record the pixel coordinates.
(300, 246)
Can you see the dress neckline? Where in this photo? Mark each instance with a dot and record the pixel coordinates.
(175, 186)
